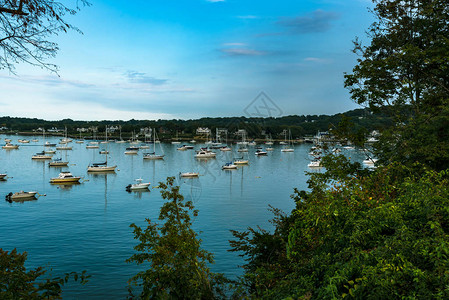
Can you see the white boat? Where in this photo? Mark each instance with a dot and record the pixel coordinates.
(10, 146)
(192, 142)
(121, 141)
(139, 185)
(2, 176)
(92, 146)
(132, 150)
(189, 174)
(225, 149)
(48, 144)
(241, 161)
(269, 149)
(242, 150)
(288, 147)
(229, 166)
(8, 140)
(153, 155)
(65, 177)
(18, 196)
(104, 151)
(314, 164)
(23, 141)
(58, 162)
(35, 140)
(205, 154)
(176, 142)
(144, 146)
(370, 161)
(63, 148)
(41, 156)
(100, 167)
(261, 153)
(182, 148)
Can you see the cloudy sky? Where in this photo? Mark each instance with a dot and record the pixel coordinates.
(187, 59)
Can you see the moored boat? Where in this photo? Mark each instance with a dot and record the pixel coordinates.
(139, 185)
(21, 196)
(100, 167)
(229, 166)
(189, 174)
(65, 177)
(9, 146)
(58, 162)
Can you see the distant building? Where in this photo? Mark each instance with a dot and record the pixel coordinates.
(201, 130)
(54, 129)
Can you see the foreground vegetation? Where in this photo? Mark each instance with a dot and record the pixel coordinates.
(380, 234)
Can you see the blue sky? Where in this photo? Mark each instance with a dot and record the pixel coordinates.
(189, 59)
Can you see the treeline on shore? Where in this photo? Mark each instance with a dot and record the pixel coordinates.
(256, 128)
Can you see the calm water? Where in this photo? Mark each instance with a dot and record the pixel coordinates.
(86, 226)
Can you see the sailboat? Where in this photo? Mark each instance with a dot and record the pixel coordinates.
(153, 155)
(121, 141)
(243, 144)
(288, 148)
(177, 140)
(41, 155)
(64, 141)
(105, 136)
(101, 167)
(80, 141)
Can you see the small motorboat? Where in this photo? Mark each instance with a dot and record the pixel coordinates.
(2, 176)
(65, 177)
(261, 153)
(9, 146)
(139, 185)
(21, 196)
(229, 166)
(189, 174)
(205, 154)
(315, 164)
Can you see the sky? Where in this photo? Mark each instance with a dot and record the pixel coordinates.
(187, 59)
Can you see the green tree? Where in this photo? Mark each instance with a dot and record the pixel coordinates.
(177, 265)
(25, 28)
(379, 236)
(404, 72)
(16, 282)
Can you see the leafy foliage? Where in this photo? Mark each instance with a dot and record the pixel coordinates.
(18, 283)
(403, 71)
(26, 25)
(378, 236)
(177, 265)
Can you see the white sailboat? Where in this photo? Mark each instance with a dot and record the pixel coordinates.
(153, 155)
(177, 140)
(288, 147)
(121, 141)
(101, 167)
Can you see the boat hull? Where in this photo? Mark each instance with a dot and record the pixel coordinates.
(65, 180)
(101, 169)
